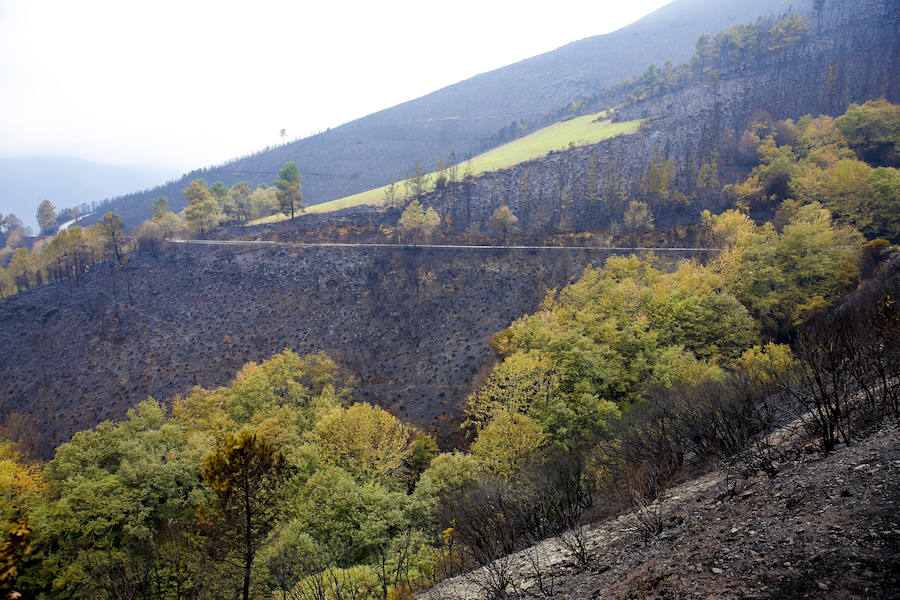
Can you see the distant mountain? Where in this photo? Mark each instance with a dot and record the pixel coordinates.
(470, 116)
(67, 182)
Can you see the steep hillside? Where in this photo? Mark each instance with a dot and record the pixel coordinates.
(571, 132)
(468, 117)
(823, 527)
(850, 54)
(413, 324)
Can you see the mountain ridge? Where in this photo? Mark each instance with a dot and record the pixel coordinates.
(368, 151)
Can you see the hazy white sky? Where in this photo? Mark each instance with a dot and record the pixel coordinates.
(190, 83)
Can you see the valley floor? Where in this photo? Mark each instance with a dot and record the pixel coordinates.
(826, 526)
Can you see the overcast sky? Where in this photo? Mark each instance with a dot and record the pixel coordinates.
(188, 83)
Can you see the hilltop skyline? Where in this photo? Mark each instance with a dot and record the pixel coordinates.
(177, 87)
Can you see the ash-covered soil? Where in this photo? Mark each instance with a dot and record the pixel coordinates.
(825, 527)
(412, 324)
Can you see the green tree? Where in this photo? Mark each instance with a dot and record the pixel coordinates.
(68, 214)
(507, 443)
(885, 184)
(415, 220)
(116, 496)
(364, 440)
(504, 222)
(348, 519)
(432, 220)
(263, 202)
(638, 217)
(246, 474)
(46, 217)
(786, 32)
(391, 198)
(239, 200)
(847, 192)
(6, 284)
(873, 130)
(160, 207)
(171, 225)
(289, 195)
(23, 269)
(779, 277)
(227, 209)
(650, 79)
(422, 451)
(447, 474)
(514, 385)
(600, 344)
(280, 397)
(218, 190)
(202, 211)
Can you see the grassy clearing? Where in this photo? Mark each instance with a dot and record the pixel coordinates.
(578, 131)
(270, 219)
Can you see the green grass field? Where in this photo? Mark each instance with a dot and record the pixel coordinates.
(578, 131)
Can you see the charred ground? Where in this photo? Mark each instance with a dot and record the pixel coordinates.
(413, 324)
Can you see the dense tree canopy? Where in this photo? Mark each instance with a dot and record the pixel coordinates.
(600, 343)
(780, 276)
(873, 131)
(813, 160)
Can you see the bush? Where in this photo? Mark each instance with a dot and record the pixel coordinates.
(848, 362)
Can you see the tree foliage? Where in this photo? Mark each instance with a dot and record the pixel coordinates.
(246, 474)
(768, 39)
(289, 195)
(238, 206)
(202, 212)
(780, 276)
(504, 222)
(417, 182)
(813, 160)
(873, 131)
(115, 495)
(507, 444)
(46, 217)
(70, 253)
(113, 234)
(160, 207)
(366, 441)
(602, 342)
(416, 221)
